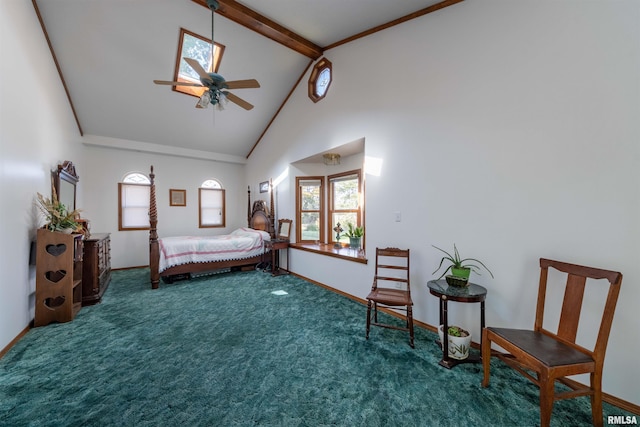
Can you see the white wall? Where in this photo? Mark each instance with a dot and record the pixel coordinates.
(536, 102)
(103, 168)
(37, 132)
(508, 128)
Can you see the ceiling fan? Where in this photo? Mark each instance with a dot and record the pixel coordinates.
(216, 85)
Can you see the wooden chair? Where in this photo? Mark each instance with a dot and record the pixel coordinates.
(543, 356)
(391, 289)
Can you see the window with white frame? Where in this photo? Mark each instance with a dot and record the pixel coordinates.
(133, 202)
(211, 204)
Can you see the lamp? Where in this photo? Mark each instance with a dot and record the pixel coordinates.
(331, 159)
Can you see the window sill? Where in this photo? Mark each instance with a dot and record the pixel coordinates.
(345, 253)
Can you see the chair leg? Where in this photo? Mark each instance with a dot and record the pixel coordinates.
(486, 357)
(596, 398)
(410, 326)
(368, 317)
(547, 390)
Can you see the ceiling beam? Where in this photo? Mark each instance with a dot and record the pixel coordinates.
(252, 20)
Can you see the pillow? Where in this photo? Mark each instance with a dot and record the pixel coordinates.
(250, 232)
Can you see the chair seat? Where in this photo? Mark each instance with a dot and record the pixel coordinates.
(549, 351)
(390, 296)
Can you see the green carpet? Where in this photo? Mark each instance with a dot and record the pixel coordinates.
(224, 351)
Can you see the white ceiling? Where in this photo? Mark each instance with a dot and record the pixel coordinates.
(110, 51)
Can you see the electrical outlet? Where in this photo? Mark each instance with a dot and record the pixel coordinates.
(398, 216)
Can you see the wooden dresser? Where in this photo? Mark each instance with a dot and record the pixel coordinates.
(96, 272)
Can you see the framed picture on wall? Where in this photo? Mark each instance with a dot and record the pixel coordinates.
(264, 187)
(177, 197)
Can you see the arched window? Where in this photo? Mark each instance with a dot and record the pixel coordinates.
(133, 202)
(211, 183)
(211, 204)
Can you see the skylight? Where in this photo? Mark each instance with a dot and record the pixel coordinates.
(192, 45)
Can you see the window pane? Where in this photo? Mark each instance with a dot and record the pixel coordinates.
(345, 194)
(212, 216)
(310, 197)
(198, 49)
(134, 206)
(344, 218)
(136, 178)
(210, 199)
(135, 217)
(211, 183)
(310, 227)
(211, 207)
(135, 196)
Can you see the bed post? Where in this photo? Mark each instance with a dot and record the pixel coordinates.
(272, 211)
(154, 251)
(248, 206)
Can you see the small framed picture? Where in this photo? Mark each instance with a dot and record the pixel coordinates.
(264, 187)
(177, 197)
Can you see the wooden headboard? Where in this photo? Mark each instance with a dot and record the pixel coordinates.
(260, 216)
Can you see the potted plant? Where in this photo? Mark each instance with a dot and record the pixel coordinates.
(57, 215)
(355, 235)
(460, 267)
(459, 341)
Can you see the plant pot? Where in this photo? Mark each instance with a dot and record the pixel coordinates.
(458, 346)
(457, 281)
(462, 273)
(355, 242)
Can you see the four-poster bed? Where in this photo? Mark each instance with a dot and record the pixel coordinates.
(174, 256)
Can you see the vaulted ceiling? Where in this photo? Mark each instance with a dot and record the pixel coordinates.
(108, 53)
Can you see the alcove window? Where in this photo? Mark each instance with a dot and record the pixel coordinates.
(133, 202)
(211, 204)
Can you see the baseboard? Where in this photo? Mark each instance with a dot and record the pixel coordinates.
(14, 341)
(612, 400)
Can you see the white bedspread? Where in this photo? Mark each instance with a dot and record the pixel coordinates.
(241, 243)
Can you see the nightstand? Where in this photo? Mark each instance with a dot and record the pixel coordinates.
(276, 245)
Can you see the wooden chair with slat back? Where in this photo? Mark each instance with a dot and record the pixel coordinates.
(391, 289)
(545, 357)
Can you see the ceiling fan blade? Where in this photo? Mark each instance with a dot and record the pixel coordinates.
(198, 69)
(242, 84)
(237, 100)
(164, 82)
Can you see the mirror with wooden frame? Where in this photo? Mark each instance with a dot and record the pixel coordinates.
(64, 182)
(284, 229)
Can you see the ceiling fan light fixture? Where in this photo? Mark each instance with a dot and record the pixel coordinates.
(331, 159)
(221, 101)
(205, 100)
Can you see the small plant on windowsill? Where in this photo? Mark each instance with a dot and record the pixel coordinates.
(355, 235)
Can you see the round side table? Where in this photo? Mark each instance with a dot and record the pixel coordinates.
(446, 293)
